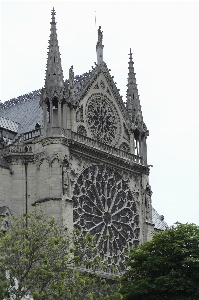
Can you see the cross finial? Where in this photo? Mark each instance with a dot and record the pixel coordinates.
(53, 13)
(130, 55)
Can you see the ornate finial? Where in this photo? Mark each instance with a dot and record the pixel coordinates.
(130, 55)
(71, 77)
(53, 13)
(100, 37)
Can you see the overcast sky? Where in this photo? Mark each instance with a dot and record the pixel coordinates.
(164, 37)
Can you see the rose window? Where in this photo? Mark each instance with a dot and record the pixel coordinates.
(102, 119)
(105, 206)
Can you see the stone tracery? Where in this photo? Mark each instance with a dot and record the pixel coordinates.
(104, 205)
(102, 119)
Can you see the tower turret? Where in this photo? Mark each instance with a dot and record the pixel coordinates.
(53, 97)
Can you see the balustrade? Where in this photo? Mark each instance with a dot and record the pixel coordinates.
(70, 135)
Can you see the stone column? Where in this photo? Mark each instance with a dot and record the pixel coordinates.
(140, 146)
(72, 119)
(64, 116)
(137, 150)
(132, 143)
(145, 150)
(51, 113)
(45, 114)
(60, 115)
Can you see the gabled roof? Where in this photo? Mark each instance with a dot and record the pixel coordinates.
(24, 110)
(83, 83)
(8, 124)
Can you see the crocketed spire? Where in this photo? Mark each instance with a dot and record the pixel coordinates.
(54, 73)
(133, 102)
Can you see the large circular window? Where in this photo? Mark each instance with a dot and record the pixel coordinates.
(105, 206)
(102, 119)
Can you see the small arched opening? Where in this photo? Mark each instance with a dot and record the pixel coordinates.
(136, 142)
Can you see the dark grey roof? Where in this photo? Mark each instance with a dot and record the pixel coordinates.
(3, 163)
(8, 124)
(24, 110)
(158, 220)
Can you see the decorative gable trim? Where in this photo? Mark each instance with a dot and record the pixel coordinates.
(89, 78)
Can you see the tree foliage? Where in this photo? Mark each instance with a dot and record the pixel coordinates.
(166, 267)
(40, 259)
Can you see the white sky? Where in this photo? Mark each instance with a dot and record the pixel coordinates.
(164, 37)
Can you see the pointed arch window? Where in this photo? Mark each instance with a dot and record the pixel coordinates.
(48, 111)
(55, 103)
(136, 142)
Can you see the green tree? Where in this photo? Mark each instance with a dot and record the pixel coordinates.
(39, 259)
(166, 267)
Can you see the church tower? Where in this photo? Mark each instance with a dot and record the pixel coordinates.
(101, 151)
(87, 162)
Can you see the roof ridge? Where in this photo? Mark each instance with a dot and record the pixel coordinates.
(21, 99)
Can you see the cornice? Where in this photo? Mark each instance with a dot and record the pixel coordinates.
(108, 158)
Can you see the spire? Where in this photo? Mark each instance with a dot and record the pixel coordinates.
(99, 46)
(54, 73)
(53, 95)
(133, 102)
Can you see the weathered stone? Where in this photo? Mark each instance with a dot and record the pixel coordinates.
(83, 157)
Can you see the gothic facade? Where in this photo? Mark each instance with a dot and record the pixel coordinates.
(76, 149)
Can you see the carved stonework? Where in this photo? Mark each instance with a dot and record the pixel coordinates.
(108, 91)
(79, 114)
(96, 87)
(125, 147)
(104, 205)
(138, 121)
(148, 194)
(40, 157)
(102, 84)
(65, 176)
(102, 119)
(71, 77)
(126, 133)
(100, 37)
(82, 130)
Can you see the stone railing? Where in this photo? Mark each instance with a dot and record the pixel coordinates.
(17, 149)
(108, 149)
(71, 136)
(29, 135)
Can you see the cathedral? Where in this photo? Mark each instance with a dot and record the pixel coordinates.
(77, 150)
